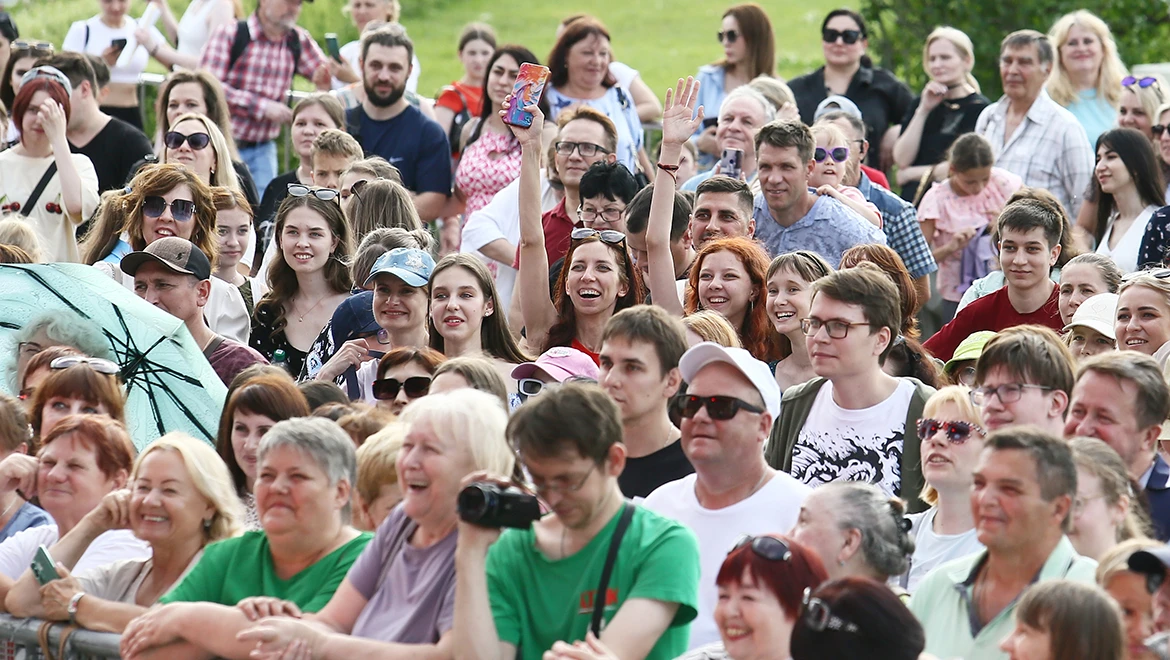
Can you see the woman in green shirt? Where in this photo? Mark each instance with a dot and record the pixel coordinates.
(306, 471)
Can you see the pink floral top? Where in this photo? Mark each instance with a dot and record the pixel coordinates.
(487, 166)
(953, 212)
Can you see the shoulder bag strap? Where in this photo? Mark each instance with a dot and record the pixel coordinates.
(614, 544)
(36, 193)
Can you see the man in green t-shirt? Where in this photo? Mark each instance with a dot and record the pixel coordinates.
(520, 592)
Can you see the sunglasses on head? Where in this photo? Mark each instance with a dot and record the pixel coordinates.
(829, 36)
(730, 36)
(1148, 81)
(768, 547)
(35, 46)
(323, 194)
(415, 387)
(182, 210)
(838, 154)
(719, 408)
(604, 235)
(1159, 273)
(956, 432)
(99, 365)
(198, 141)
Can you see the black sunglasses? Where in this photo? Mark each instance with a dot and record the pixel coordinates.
(819, 617)
(415, 387)
(719, 408)
(730, 36)
(182, 210)
(768, 547)
(830, 36)
(323, 194)
(605, 235)
(957, 432)
(198, 141)
(1158, 129)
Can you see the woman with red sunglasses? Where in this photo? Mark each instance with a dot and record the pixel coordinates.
(951, 441)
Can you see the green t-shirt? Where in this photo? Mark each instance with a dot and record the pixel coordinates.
(238, 568)
(537, 601)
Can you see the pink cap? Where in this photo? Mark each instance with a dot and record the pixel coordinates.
(560, 362)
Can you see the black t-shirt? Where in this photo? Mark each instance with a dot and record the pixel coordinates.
(646, 473)
(247, 184)
(944, 124)
(881, 97)
(114, 151)
(264, 219)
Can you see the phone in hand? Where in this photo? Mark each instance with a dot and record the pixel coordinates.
(118, 44)
(731, 163)
(331, 46)
(43, 567)
(527, 91)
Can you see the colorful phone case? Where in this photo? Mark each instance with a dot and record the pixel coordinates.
(527, 91)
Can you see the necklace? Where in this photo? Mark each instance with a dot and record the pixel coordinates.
(301, 317)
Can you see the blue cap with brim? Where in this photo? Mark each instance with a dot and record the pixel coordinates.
(407, 264)
(354, 318)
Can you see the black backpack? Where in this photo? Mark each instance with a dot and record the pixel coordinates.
(244, 37)
(459, 121)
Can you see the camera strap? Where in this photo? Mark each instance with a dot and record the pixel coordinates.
(615, 542)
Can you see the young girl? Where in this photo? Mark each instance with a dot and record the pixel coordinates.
(463, 98)
(790, 278)
(961, 207)
(233, 226)
(729, 277)
(832, 157)
(1130, 189)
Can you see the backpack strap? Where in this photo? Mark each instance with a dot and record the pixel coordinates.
(293, 42)
(615, 543)
(85, 44)
(239, 43)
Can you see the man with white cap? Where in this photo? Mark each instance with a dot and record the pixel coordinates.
(726, 415)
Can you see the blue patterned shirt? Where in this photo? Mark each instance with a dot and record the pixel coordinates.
(829, 228)
(901, 227)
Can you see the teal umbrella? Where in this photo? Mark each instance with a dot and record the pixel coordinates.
(170, 386)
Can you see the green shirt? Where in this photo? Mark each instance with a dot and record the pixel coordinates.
(537, 601)
(941, 603)
(238, 568)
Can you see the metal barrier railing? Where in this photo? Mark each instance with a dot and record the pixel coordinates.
(18, 639)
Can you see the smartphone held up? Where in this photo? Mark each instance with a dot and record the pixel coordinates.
(527, 91)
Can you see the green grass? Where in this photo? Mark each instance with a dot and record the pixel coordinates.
(664, 40)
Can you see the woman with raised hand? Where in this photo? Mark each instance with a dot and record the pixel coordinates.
(1130, 227)
(599, 277)
(188, 33)
(1086, 76)
(178, 500)
(306, 472)
(948, 107)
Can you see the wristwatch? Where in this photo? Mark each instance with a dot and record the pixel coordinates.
(73, 607)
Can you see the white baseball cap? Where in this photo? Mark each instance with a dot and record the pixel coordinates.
(761, 377)
(1096, 313)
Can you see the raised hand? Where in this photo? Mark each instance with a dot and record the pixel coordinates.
(932, 94)
(113, 512)
(679, 120)
(19, 472)
(52, 117)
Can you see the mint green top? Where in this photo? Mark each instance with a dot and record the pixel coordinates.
(238, 568)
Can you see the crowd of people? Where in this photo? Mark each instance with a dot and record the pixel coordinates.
(735, 396)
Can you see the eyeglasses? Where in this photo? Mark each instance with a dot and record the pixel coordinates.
(42, 46)
(1008, 393)
(1148, 81)
(730, 36)
(719, 408)
(323, 194)
(1080, 503)
(415, 387)
(819, 617)
(768, 547)
(604, 235)
(27, 349)
(198, 141)
(836, 328)
(957, 432)
(586, 149)
(544, 489)
(182, 210)
(609, 215)
(838, 154)
(99, 365)
(831, 36)
(966, 376)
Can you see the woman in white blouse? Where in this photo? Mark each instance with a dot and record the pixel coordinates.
(1131, 190)
(189, 33)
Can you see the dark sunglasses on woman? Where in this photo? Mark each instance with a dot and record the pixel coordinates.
(830, 36)
(323, 194)
(730, 36)
(719, 408)
(956, 432)
(182, 210)
(198, 141)
(838, 154)
(415, 387)
(768, 547)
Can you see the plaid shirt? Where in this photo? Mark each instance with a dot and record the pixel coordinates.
(1049, 149)
(901, 227)
(263, 73)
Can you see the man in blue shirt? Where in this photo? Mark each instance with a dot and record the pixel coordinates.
(387, 125)
(791, 216)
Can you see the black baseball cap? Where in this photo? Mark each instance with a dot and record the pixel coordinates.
(177, 254)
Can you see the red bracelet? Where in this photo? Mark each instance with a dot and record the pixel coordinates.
(669, 169)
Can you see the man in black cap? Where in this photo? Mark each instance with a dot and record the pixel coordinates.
(175, 276)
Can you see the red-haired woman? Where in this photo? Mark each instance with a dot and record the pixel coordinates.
(70, 192)
(729, 277)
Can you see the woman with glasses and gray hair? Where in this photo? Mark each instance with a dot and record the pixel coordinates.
(305, 549)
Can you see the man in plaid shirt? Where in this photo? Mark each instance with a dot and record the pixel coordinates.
(257, 84)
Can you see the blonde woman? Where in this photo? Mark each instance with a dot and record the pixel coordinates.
(1106, 510)
(709, 325)
(948, 107)
(179, 499)
(18, 233)
(196, 142)
(1086, 76)
(1131, 592)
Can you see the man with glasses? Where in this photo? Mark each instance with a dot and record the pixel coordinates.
(1024, 376)
(1033, 137)
(851, 422)
(519, 593)
(1022, 503)
(175, 276)
(725, 417)
(1122, 399)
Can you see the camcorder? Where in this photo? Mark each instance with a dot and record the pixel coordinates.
(487, 505)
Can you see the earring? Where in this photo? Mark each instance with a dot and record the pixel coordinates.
(207, 525)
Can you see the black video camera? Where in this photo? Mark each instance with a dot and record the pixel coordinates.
(487, 505)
